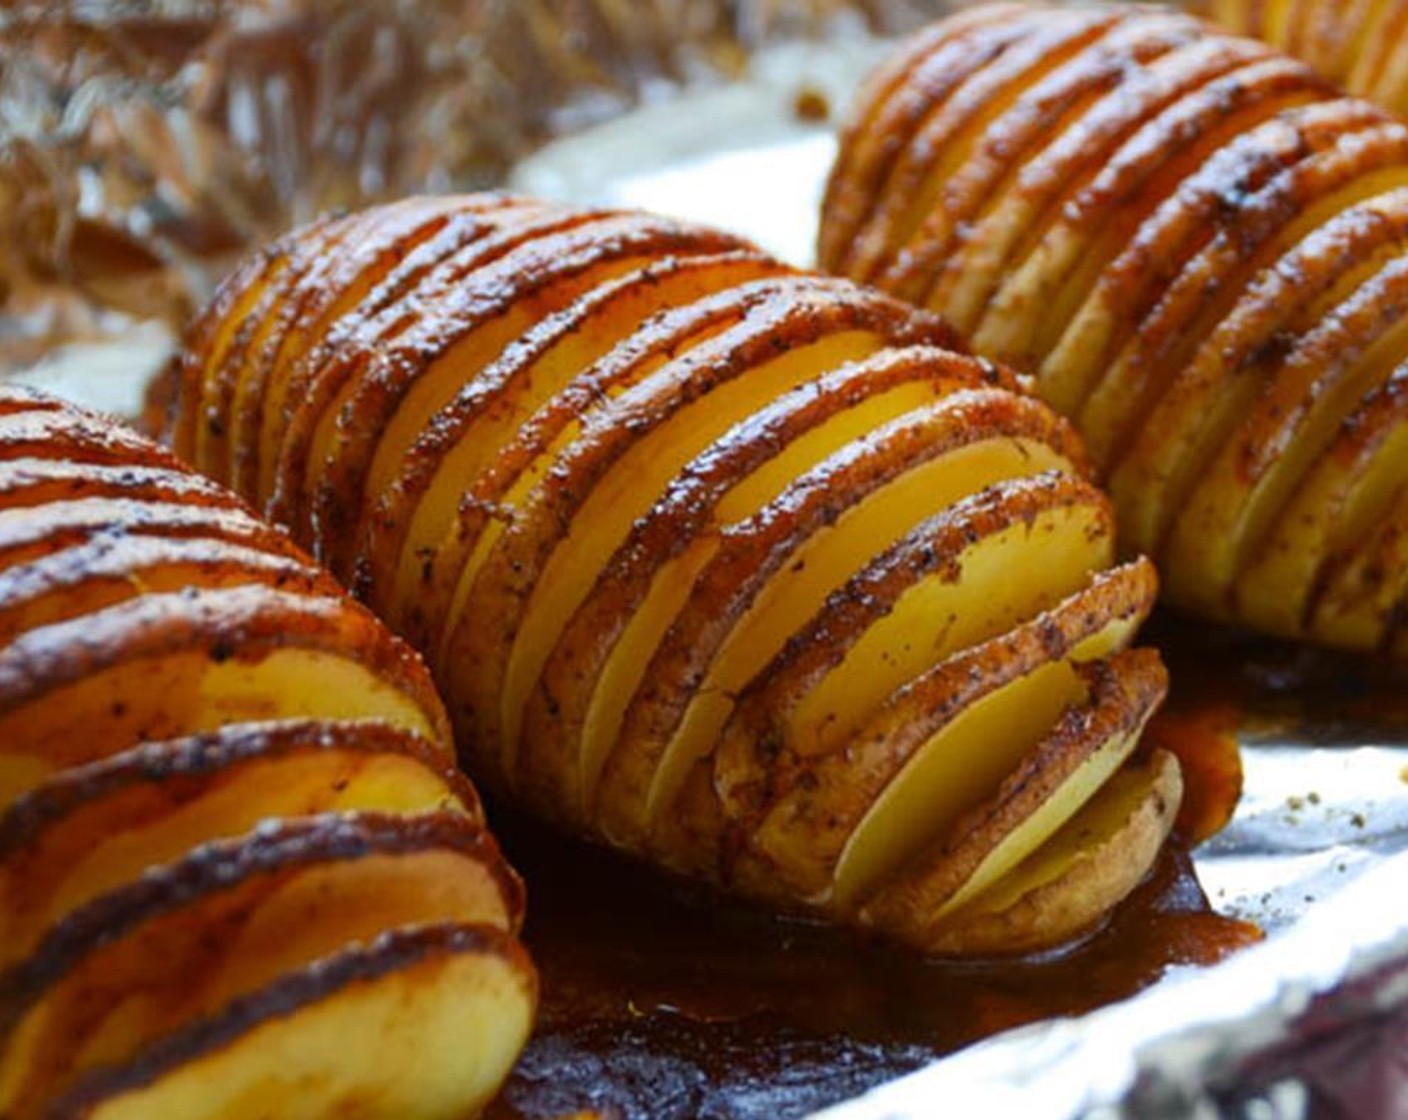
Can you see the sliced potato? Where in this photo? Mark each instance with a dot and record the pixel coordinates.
(218, 776)
(91, 829)
(701, 549)
(1094, 735)
(166, 665)
(1359, 45)
(776, 569)
(928, 753)
(1194, 245)
(1075, 879)
(421, 1023)
(601, 657)
(140, 963)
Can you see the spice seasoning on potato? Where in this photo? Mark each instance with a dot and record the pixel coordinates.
(742, 570)
(239, 872)
(1196, 247)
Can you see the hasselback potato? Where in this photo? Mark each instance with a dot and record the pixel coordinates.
(736, 568)
(1199, 249)
(239, 873)
(1362, 46)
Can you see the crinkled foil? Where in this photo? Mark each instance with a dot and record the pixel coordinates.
(145, 144)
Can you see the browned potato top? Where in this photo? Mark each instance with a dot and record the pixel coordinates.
(1196, 247)
(679, 528)
(231, 830)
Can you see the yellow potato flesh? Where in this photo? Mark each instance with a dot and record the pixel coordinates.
(458, 366)
(550, 372)
(235, 318)
(958, 147)
(1336, 505)
(352, 303)
(110, 842)
(183, 693)
(431, 1041)
(1071, 377)
(1033, 833)
(1226, 519)
(169, 972)
(1104, 837)
(670, 588)
(961, 764)
(997, 588)
(820, 565)
(529, 479)
(1042, 294)
(631, 487)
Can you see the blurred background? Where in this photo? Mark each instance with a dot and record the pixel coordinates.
(144, 144)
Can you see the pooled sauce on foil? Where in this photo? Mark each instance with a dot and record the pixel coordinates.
(664, 1001)
(667, 1002)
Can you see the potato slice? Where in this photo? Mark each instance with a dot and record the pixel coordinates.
(1041, 295)
(1152, 308)
(523, 465)
(405, 386)
(309, 345)
(67, 435)
(90, 829)
(1294, 421)
(327, 382)
(966, 282)
(162, 666)
(777, 569)
(462, 442)
(957, 196)
(930, 752)
(209, 337)
(890, 106)
(1073, 881)
(139, 964)
(1098, 730)
(972, 542)
(26, 481)
(423, 1023)
(1349, 490)
(600, 659)
(104, 571)
(1194, 414)
(371, 246)
(629, 452)
(955, 129)
(1358, 45)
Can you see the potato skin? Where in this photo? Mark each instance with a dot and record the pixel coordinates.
(1199, 261)
(1359, 46)
(185, 695)
(616, 476)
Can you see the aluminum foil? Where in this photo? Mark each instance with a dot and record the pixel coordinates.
(145, 144)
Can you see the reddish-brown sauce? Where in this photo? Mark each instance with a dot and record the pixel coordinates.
(664, 1002)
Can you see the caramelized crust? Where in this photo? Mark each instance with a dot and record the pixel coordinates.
(221, 779)
(1194, 246)
(681, 530)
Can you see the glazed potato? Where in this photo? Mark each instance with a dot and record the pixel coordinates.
(1196, 247)
(1362, 46)
(235, 852)
(741, 570)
